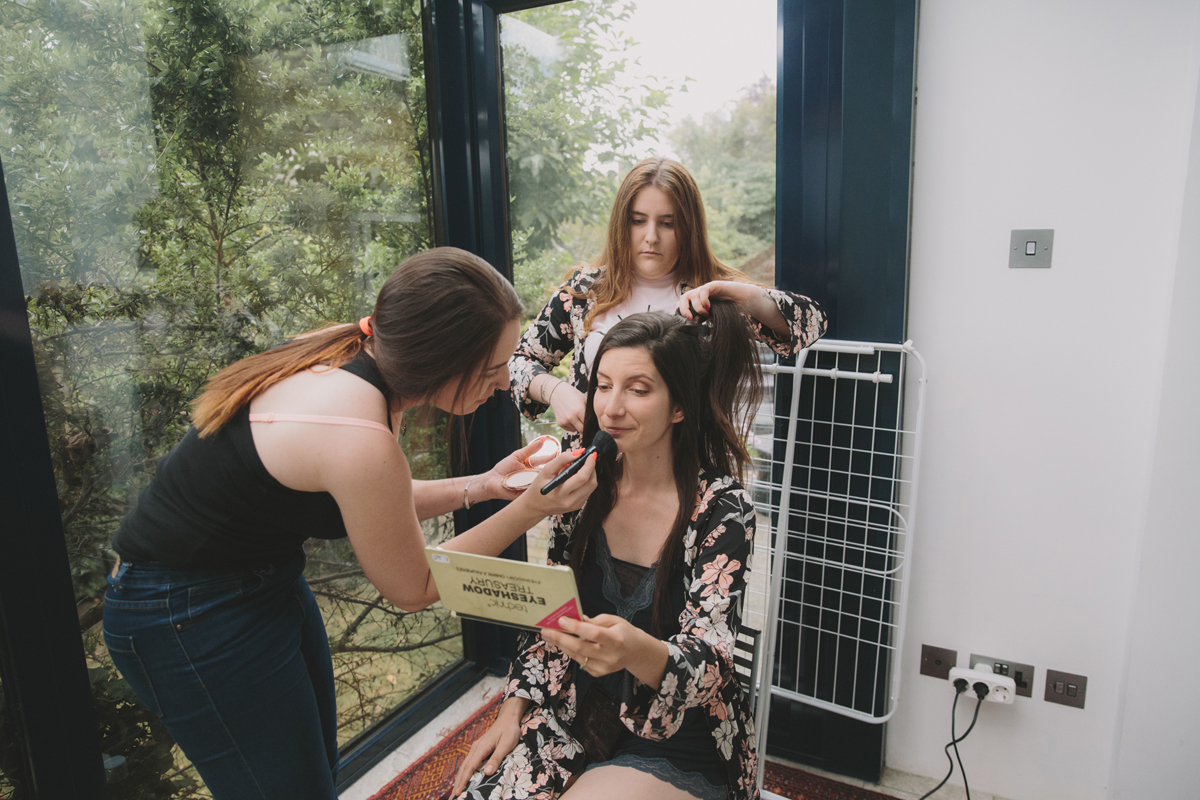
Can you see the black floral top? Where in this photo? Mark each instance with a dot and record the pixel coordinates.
(699, 674)
(558, 330)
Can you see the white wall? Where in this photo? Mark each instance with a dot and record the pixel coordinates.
(1159, 739)
(1046, 385)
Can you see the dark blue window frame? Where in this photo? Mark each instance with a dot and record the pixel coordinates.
(846, 97)
(45, 677)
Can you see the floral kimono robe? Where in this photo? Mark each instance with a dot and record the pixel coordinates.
(700, 671)
(558, 330)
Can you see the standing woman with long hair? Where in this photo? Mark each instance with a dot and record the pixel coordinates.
(656, 257)
(208, 615)
(640, 699)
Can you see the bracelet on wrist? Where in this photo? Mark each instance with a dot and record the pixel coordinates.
(557, 384)
(466, 494)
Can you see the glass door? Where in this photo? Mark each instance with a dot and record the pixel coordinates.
(190, 183)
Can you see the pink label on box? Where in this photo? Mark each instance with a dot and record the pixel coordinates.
(567, 609)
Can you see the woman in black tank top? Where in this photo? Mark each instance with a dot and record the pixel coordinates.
(207, 614)
(640, 700)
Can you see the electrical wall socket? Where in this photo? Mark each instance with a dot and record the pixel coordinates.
(1022, 674)
(937, 661)
(1001, 689)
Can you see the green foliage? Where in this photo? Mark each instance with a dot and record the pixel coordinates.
(571, 109)
(192, 182)
(536, 277)
(732, 157)
(129, 729)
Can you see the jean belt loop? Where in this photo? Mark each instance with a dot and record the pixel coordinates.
(119, 571)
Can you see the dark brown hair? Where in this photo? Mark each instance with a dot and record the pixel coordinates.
(712, 372)
(697, 265)
(437, 319)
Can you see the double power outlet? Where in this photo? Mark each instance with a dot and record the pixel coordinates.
(1000, 689)
(1011, 678)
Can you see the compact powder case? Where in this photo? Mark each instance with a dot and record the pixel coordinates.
(522, 478)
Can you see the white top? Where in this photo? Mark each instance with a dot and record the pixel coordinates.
(659, 294)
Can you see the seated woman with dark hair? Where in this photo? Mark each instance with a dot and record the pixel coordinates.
(640, 699)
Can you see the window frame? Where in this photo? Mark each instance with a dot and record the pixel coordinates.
(44, 672)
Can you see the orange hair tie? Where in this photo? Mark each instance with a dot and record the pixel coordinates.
(364, 325)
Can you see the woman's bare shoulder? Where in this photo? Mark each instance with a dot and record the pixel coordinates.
(326, 392)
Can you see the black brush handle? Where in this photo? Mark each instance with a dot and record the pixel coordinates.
(602, 443)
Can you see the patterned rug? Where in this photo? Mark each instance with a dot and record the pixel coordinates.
(430, 776)
(801, 785)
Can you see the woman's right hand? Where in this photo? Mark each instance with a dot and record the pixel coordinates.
(494, 745)
(567, 496)
(569, 405)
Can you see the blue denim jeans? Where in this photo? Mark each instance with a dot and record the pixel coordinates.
(237, 666)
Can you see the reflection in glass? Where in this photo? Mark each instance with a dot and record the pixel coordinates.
(592, 87)
(191, 183)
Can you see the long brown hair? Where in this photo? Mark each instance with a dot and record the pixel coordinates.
(697, 265)
(437, 319)
(712, 372)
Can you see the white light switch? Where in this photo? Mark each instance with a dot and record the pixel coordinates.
(1031, 248)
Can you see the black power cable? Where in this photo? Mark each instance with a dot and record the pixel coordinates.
(960, 686)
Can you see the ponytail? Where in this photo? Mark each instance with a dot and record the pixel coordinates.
(436, 321)
(733, 386)
(239, 383)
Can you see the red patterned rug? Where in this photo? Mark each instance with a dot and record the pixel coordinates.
(800, 785)
(429, 777)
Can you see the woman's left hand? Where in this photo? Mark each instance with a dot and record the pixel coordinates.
(606, 643)
(601, 644)
(751, 298)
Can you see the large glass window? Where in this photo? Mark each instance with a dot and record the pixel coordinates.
(192, 182)
(591, 87)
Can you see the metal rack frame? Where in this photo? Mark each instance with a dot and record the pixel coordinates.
(848, 522)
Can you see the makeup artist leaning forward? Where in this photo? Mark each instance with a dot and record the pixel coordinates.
(208, 616)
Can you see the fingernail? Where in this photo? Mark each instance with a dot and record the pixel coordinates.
(578, 452)
(594, 456)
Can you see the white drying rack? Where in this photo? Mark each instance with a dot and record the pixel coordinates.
(843, 520)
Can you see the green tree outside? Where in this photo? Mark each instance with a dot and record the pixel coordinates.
(732, 157)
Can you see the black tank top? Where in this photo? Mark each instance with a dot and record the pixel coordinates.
(212, 503)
